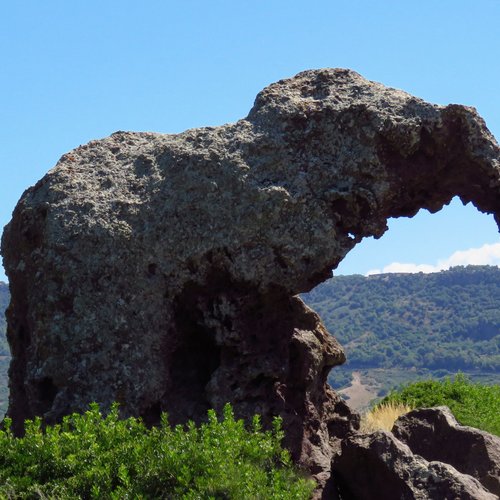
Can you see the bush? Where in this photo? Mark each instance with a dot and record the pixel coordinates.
(91, 456)
(476, 405)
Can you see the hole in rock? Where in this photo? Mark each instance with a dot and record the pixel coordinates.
(46, 391)
(195, 359)
(413, 317)
(426, 239)
(152, 415)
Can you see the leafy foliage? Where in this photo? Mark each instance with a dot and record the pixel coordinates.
(476, 405)
(441, 321)
(91, 456)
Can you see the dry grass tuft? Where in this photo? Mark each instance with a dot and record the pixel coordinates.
(383, 417)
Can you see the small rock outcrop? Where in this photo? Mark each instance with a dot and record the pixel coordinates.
(378, 465)
(434, 434)
(161, 271)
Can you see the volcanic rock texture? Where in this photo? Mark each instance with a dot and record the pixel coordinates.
(162, 271)
(434, 434)
(378, 466)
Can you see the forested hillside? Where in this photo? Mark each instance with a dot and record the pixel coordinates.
(4, 302)
(440, 322)
(4, 348)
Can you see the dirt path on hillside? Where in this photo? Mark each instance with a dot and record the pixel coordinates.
(360, 395)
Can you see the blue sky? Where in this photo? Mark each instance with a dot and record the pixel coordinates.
(76, 71)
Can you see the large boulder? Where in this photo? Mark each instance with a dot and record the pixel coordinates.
(379, 466)
(435, 434)
(161, 271)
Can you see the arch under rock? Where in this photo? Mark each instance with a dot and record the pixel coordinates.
(161, 271)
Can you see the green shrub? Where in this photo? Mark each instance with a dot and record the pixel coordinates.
(96, 456)
(476, 405)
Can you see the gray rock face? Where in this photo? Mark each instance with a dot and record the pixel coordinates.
(375, 466)
(161, 270)
(435, 434)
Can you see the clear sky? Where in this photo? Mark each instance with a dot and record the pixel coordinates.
(76, 71)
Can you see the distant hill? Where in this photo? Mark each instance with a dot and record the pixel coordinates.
(4, 348)
(428, 324)
(445, 320)
(4, 302)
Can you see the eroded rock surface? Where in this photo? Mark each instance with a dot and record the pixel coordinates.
(161, 270)
(434, 434)
(375, 466)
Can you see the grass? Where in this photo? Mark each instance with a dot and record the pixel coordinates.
(473, 404)
(383, 416)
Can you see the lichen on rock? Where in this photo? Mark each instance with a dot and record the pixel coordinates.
(161, 271)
